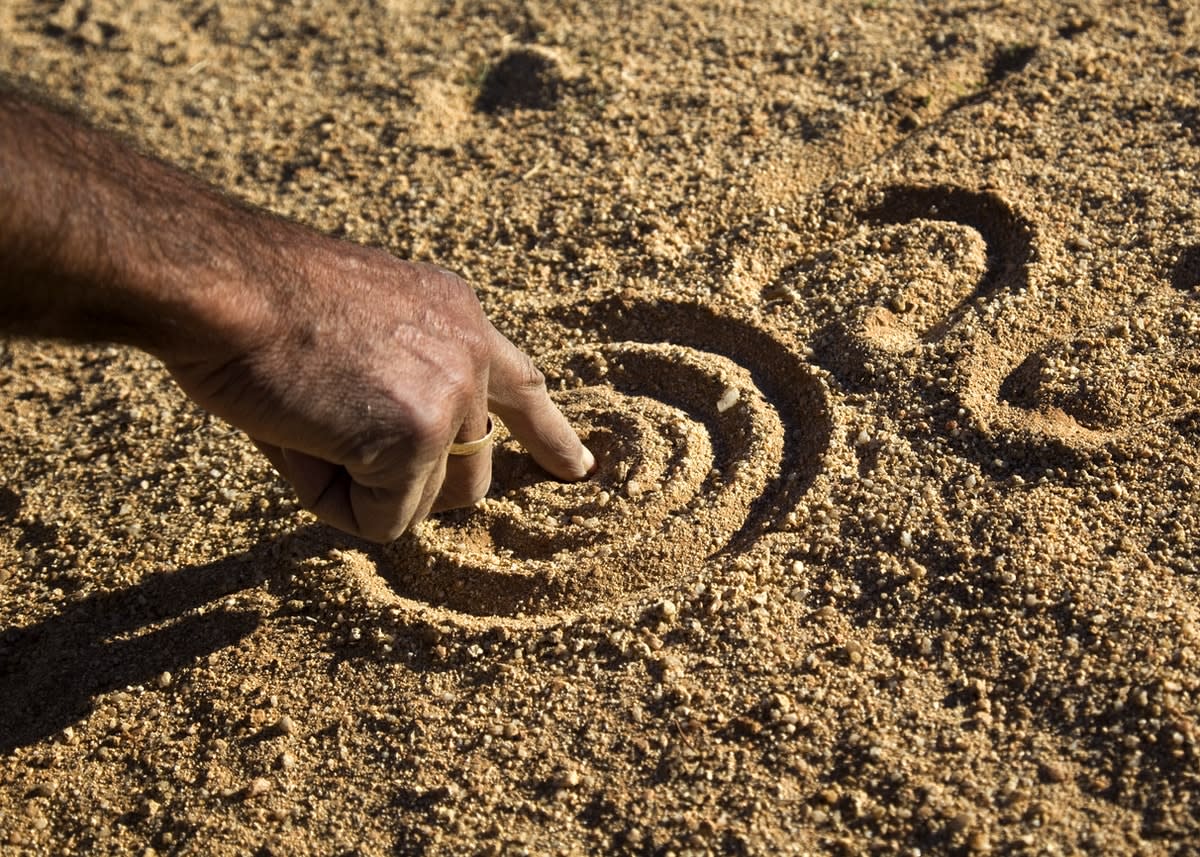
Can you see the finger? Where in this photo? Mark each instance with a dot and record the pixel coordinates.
(517, 394)
(314, 482)
(379, 514)
(429, 494)
(397, 491)
(383, 514)
(321, 487)
(468, 476)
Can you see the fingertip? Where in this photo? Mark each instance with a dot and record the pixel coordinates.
(570, 468)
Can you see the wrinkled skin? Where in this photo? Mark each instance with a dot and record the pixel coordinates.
(353, 371)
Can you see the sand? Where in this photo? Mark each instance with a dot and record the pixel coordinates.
(883, 321)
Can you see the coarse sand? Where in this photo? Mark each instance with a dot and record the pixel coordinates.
(883, 319)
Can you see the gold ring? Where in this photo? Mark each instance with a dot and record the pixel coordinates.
(471, 447)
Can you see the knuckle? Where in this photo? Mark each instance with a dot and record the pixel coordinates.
(467, 311)
(454, 289)
(529, 378)
(461, 380)
(426, 429)
(422, 425)
(460, 288)
(362, 453)
(479, 347)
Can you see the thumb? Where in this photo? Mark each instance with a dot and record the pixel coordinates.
(517, 394)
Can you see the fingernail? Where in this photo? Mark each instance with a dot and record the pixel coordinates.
(589, 462)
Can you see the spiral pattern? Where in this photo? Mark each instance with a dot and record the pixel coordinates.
(701, 450)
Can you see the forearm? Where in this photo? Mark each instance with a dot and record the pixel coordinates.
(100, 242)
(352, 370)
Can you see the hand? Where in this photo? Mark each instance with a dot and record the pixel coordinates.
(356, 374)
(352, 371)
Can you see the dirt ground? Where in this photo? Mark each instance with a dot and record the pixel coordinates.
(883, 319)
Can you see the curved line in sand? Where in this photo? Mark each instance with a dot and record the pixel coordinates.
(652, 389)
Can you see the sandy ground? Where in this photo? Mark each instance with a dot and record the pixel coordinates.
(884, 320)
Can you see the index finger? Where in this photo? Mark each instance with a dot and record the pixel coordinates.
(517, 394)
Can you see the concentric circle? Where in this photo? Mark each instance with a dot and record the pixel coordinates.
(700, 451)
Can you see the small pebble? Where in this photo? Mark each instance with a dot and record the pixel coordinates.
(728, 399)
(960, 822)
(1052, 772)
(979, 843)
(258, 786)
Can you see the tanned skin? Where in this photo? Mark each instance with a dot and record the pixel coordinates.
(351, 370)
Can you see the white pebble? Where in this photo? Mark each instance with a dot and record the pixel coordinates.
(728, 399)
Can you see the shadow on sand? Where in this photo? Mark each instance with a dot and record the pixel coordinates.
(52, 671)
